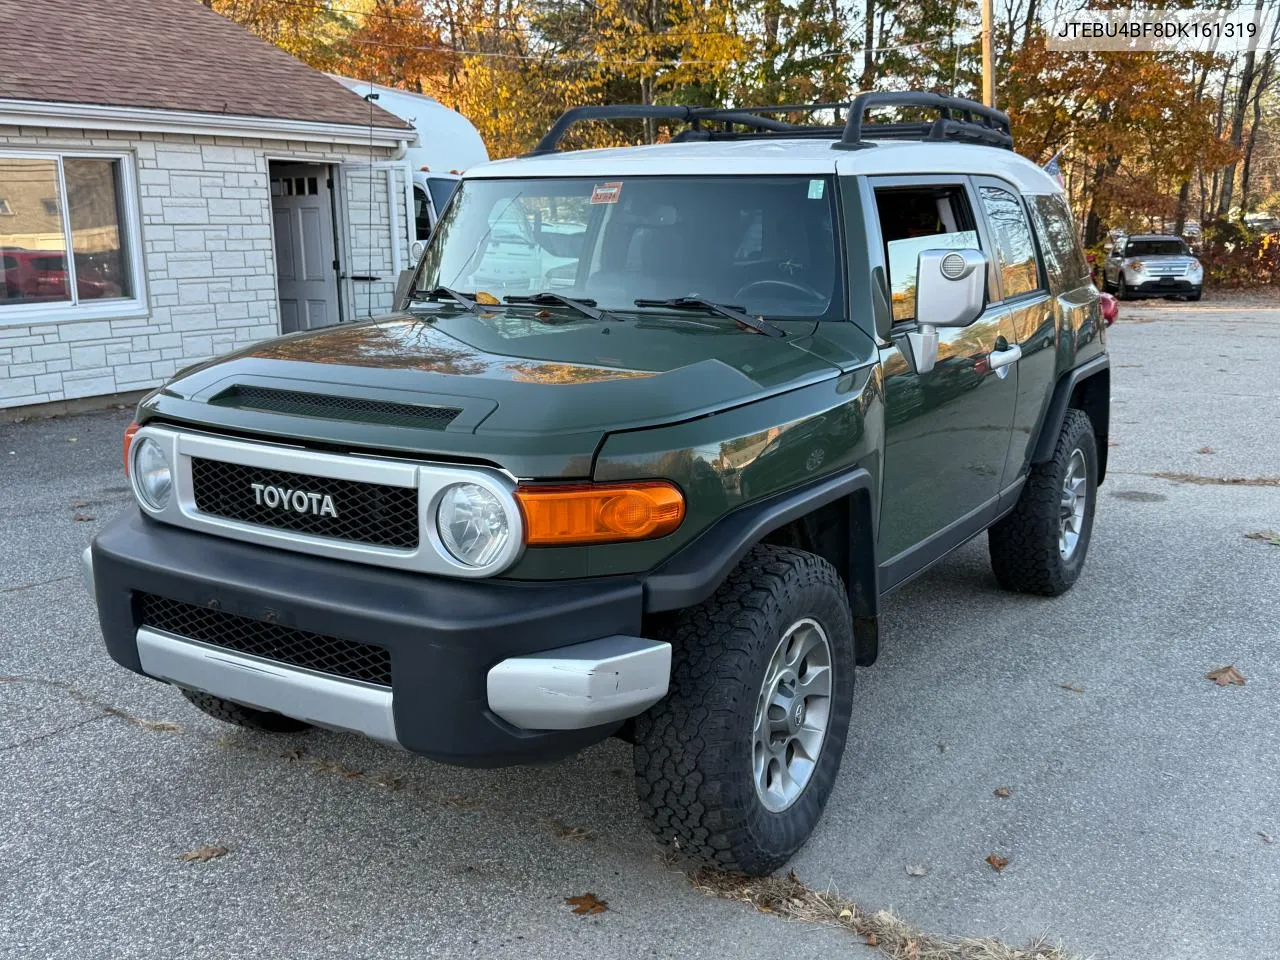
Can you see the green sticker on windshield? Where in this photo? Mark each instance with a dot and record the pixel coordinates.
(815, 189)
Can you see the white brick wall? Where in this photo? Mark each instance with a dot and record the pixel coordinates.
(205, 208)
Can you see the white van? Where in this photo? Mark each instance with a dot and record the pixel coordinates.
(447, 145)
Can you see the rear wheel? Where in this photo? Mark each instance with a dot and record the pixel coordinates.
(228, 711)
(1040, 547)
(735, 766)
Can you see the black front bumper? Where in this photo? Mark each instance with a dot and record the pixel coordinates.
(443, 635)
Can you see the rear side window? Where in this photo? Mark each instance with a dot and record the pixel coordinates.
(1059, 241)
(914, 219)
(1015, 250)
(441, 190)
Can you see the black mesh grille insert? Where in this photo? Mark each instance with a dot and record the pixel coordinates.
(342, 509)
(271, 641)
(301, 404)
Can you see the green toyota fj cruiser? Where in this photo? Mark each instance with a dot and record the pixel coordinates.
(649, 437)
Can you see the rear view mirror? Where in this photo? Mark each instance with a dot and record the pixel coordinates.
(951, 288)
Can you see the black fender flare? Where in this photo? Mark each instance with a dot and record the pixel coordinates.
(1056, 412)
(696, 572)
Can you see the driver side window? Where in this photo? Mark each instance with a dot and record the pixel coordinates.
(920, 218)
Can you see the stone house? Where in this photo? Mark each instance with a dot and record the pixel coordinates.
(173, 187)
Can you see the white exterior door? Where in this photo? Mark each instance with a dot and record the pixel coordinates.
(302, 225)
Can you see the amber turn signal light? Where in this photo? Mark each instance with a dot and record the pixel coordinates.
(599, 512)
(129, 431)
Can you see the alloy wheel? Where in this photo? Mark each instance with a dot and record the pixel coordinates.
(792, 715)
(1075, 496)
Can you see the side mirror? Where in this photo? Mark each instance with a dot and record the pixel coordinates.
(415, 251)
(403, 283)
(951, 290)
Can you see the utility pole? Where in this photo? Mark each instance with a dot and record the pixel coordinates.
(988, 56)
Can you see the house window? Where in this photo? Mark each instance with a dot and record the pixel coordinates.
(68, 238)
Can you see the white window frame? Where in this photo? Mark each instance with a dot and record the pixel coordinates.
(26, 314)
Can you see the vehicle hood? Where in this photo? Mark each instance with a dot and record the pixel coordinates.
(537, 387)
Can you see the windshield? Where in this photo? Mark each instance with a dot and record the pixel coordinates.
(1156, 248)
(766, 244)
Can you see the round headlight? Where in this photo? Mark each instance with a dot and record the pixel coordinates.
(473, 524)
(152, 478)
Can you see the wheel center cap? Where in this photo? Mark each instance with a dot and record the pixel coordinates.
(797, 715)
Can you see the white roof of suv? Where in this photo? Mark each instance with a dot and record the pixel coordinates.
(779, 155)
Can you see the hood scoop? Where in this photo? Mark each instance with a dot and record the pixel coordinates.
(300, 403)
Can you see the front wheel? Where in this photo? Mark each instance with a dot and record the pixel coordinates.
(735, 765)
(1193, 297)
(1122, 289)
(1040, 546)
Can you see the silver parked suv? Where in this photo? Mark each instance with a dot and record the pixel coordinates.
(1152, 265)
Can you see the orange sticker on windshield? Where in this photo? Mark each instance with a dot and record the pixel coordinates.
(606, 192)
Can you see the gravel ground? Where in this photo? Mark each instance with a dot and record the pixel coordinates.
(1139, 791)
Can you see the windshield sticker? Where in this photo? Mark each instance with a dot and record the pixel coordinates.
(606, 192)
(815, 189)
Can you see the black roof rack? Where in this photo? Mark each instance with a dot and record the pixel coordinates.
(958, 119)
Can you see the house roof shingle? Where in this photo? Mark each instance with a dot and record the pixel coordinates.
(167, 55)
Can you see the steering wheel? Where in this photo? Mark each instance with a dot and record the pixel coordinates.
(761, 288)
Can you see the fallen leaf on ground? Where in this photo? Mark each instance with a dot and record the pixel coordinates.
(158, 726)
(1001, 792)
(1266, 837)
(77, 504)
(1206, 450)
(566, 832)
(1072, 687)
(461, 803)
(82, 517)
(873, 940)
(916, 869)
(72, 439)
(204, 853)
(1225, 676)
(997, 862)
(846, 914)
(1266, 536)
(587, 904)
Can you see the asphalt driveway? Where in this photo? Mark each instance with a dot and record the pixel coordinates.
(1141, 795)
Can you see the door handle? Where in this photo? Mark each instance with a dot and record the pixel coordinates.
(1002, 358)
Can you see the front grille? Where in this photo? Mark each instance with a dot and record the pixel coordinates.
(301, 404)
(362, 512)
(271, 641)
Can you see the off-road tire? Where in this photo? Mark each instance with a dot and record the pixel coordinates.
(693, 750)
(230, 712)
(1024, 544)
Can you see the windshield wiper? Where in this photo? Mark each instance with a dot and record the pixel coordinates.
(548, 299)
(439, 293)
(735, 313)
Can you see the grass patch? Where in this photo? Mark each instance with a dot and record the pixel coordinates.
(789, 898)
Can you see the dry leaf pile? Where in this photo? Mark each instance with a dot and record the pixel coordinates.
(789, 898)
